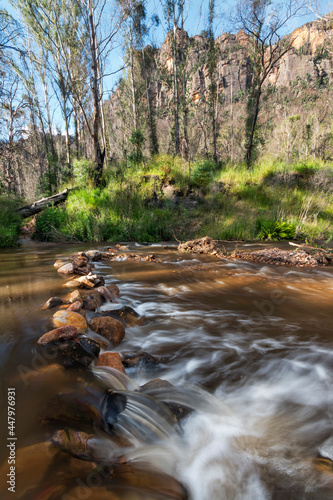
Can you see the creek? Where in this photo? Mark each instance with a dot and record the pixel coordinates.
(248, 347)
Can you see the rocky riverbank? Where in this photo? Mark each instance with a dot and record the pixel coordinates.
(301, 256)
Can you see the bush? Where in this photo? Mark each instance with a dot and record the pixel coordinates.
(10, 223)
(49, 223)
(83, 172)
(275, 230)
(203, 173)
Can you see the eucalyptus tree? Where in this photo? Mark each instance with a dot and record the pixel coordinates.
(263, 21)
(212, 64)
(174, 15)
(46, 22)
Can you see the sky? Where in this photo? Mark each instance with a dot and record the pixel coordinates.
(195, 22)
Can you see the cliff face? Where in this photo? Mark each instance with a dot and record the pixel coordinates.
(297, 82)
(308, 59)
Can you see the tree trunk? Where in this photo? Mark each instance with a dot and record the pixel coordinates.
(38, 206)
(175, 83)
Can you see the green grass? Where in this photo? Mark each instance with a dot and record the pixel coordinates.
(270, 201)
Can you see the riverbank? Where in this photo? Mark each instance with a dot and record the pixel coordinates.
(168, 198)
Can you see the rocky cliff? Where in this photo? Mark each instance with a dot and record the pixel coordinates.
(309, 62)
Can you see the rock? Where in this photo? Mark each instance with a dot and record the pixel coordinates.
(86, 282)
(114, 290)
(76, 306)
(66, 269)
(93, 255)
(33, 462)
(109, 255)
(80, 261)
(105, 294)
(121, 247)
(91, 299)
(59, 263)
(74, 297)
(52, 302)
(71, 353)
(126, 314)
(162, 390)
(143, 358)
(73, 284)
(203, 245)
(65, 317)
(112, 359)
(70, 410)
(73, 442)
(110, 328)
(63, 332)
(302, 257)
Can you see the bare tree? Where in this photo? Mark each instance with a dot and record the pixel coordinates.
(263, 21)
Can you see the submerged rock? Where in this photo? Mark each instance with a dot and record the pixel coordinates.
(143, 358)
(110, 328)
(69, 332)
(111, 359)
(76, 443)
(65, 317)
(71, 353)
(52, 302)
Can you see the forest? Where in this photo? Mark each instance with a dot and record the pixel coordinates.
(225, 132)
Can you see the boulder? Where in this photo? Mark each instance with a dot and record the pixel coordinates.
(91, 299)
(112, 359)
(143, 358)
(110, 328)
(52, 302)
(93, 255)
(126, 314)
(74, 297)
(63, 332)
(114, 290)
(73, 284)
(59, 263)
(79, 352)
(65, 317)
(66, 269)
(76, 306)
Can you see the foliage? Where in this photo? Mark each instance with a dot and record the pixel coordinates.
(203, 173)
(83, 170)
(275, 230)
(49, 222)
(10, 223)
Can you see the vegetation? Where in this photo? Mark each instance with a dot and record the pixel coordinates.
(56, 60)
(161, 200)
(10, 222)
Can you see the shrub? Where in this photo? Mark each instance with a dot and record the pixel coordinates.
(10, 223)
(275, 230)
(83, 170)
(203, 173)
(49, 223)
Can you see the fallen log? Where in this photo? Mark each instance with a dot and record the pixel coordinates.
(38, 206)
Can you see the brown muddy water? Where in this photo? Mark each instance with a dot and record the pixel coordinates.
(249, 348)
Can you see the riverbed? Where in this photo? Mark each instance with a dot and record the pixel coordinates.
(249, 347)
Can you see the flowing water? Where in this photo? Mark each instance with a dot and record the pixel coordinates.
(247, 347)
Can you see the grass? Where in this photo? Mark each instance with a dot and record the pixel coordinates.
(10, 222)
(229, 202)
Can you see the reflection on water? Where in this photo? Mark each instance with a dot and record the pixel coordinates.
(248, 348)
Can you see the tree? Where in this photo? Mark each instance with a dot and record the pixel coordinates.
(174, 12)
(212, 64)
(263, 22)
